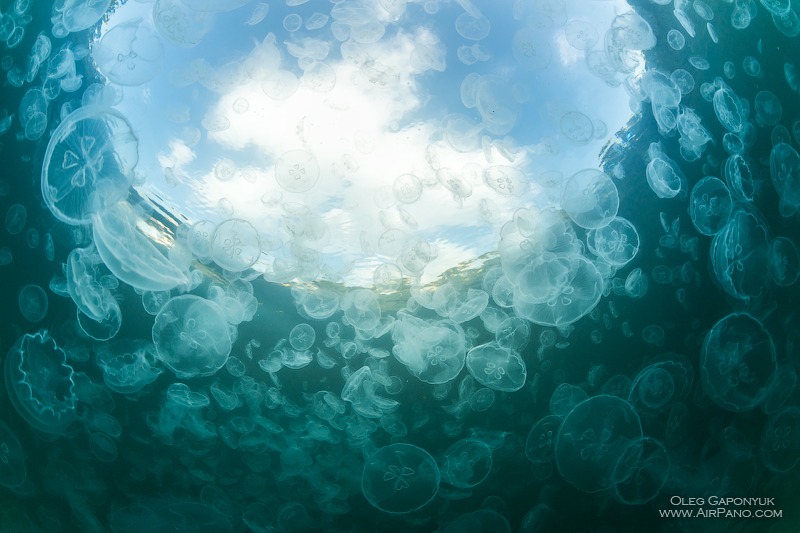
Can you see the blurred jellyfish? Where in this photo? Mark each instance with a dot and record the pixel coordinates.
(593, 438)
(32, 303)
(13, 471)
(540, 446)
(738, 362)
(467, 463)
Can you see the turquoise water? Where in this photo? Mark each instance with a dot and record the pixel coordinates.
(388, 265)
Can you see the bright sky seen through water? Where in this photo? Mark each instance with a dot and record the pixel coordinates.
(434, 104)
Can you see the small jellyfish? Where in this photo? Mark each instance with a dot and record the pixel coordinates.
(235, 245)
(297, 171)
(13, 471)
(16, 218)
(32, 303)
(496, 367)
(302, 337)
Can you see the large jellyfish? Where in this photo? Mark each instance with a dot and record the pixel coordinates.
(191, 336)
(88, 164)
(40, 383)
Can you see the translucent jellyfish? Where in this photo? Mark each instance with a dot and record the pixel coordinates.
(777, 7)
(660, 384)
(576, 127)
(590, 198)
(768, 108)
(781, 443)
(297, 171)
(191, 336)
(471, 27)
(16, 218)
(636, 283)
(128, 365)
(180, 24)
(87, 286)
(496, 367)
(540, 446)
(788, 23)
(32, 302)
(593, 438)
(676, 39)
(531, 49)
(784, 163)
(130, 255)
(663, 175)
(560, 291)
(467, 463)
(784, 262)
(302, 337)
(740, 254)
(78, 15)
(88, 164)
(617, 243)
(480, 520)
(40, 383)
(506, 180)
(407, 188)
(730, 111)
(434, 352)
(683, 79)
(710, 205)
(742, 184)
(565, 398)
(497, 105)
(129, 54)
(13, 471)
(641, 471)
(33, 114)
(235, 245)
(738, 362)
(103, 447)
(581, 34)
(400, 478)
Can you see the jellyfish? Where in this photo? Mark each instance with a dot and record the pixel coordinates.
(302, 337)
(13, 469)
(297, 171)
(784, 263)
(592, 439)
(40, 383)
(467, 463)
(129, 54)
(781, 441)
(565, 398)
(400, 478)
(663, 175)
(434, 352)
(235, 245)
(32, 302)
(590, 198)
(16, 218)
(496, 367)
(559, 292)
(540, 446)
(130, 255)
(361, 309)
(128, 365)
(738, 362)
(88, 164)
(617, 242)
(784, 164)
(480, 520)
(740, 254)
(191, 336)
(642, 471)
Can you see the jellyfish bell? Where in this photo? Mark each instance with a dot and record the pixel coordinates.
(41, 384)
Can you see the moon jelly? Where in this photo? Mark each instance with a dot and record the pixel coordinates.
(400, 478)
(191, 336)
(40, 383)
